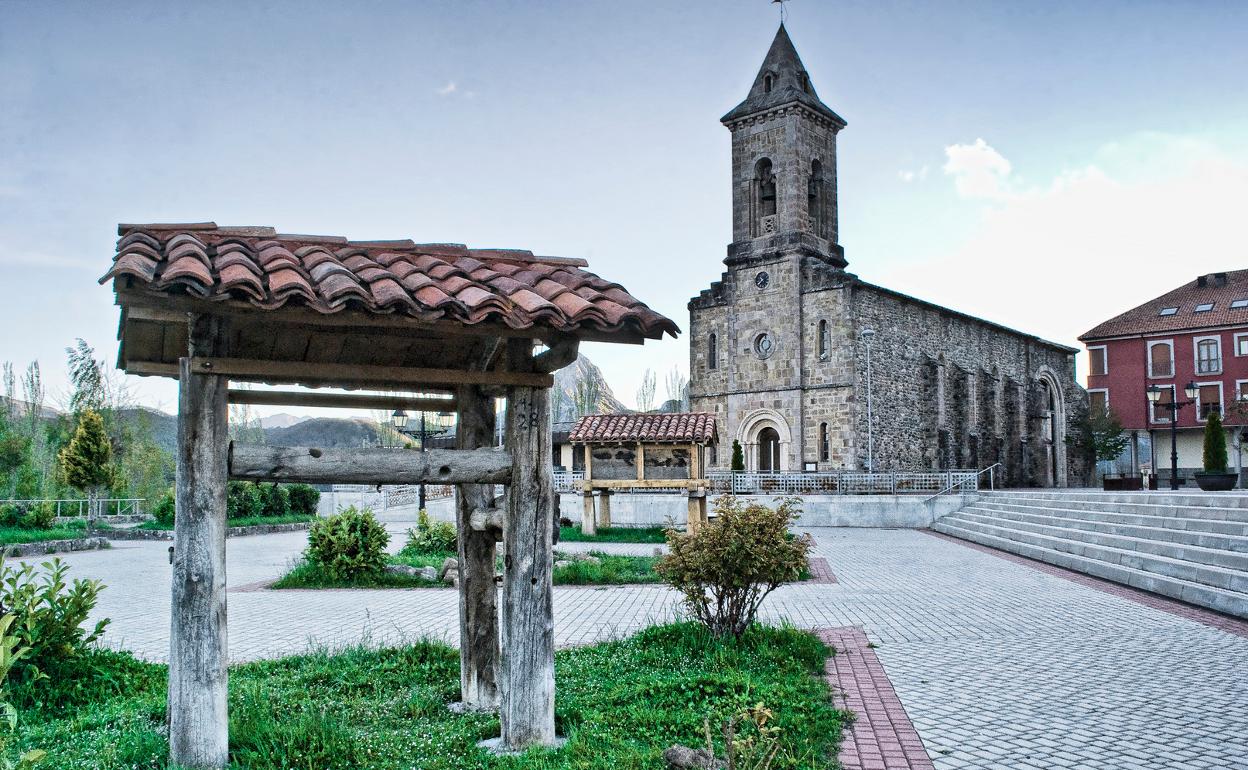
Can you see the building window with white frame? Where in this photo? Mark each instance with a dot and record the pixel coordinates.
(1098, 361)
(1161, 359)
(1098, 400)
(1241, 345)
(1208, 355)
(1159, 411)
(1209, 400)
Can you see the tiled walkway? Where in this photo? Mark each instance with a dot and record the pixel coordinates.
(998, 664)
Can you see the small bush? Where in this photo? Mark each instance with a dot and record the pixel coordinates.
(165, 508)
(243, 500)
(726, 569)
(349, 544)
(38, 516)
(49, 613)
(429, 537)
(303, 499)
(10, 515)
(1214, 454)
(275, 500)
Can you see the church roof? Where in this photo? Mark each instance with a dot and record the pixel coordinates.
(682, 427)
(789, 84)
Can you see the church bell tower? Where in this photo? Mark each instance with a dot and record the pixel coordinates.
(784, 165)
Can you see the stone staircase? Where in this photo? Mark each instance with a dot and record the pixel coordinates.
(1188, 546)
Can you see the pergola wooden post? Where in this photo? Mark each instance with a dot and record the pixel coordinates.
(457, 325)
(478, 607)
(198, 725)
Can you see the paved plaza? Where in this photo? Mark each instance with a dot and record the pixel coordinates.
(998, 663)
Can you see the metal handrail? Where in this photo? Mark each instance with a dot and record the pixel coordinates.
(123, 505)
(990, 470)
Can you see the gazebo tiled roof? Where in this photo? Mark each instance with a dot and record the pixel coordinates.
(674, 427)
(429, 282)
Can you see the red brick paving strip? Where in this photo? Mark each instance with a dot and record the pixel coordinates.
(881, 736)
(1187, 611)
(821, 571)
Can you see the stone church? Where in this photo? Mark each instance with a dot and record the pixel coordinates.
(811, 368)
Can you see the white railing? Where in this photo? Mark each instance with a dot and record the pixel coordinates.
(568, 481)
(969, 485)
(838, 482)
(389, 496)
(113, 506)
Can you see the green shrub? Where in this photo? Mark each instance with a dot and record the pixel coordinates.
(10, 515)
(303, 499)
(726, 568)
(349, 544)
(242, 500)
(275, 500)
(10, 654)
(429, 537)
(165, 508)
(39, 515)
(49, 613)
(738, 456)
(1215, 444)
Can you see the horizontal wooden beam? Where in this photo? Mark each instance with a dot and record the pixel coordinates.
(252, 370)
(150, 369)
(154, 306)
(558, 355)
(341, 400)
(312, 465)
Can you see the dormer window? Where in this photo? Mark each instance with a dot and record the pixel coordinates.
(767, 84)
(1168, 311)
(805, 82)
(1204, 307)
(1239, 304)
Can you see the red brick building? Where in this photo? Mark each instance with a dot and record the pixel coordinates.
(1197, 333)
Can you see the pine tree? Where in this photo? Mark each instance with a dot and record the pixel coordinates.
(1215, 444)
(87, 460)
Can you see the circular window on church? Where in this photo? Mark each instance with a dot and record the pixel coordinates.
(764, 345)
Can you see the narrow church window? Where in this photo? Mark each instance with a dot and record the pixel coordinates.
(767, 84)
(814, 197)
(712, 352)
(824, 342)
(766, 188)
(824, 449)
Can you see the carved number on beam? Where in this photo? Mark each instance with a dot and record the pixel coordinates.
(311, 465)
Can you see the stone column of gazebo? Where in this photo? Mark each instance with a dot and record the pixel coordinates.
(210, 305)
(643, 452)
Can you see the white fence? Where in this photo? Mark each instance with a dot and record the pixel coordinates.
(389, 496)
(78, 508)
(567, 481)
(841, 482)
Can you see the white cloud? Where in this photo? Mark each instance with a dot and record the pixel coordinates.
(978, 170)
(1143, 215)
(448, 89)
(907, 175)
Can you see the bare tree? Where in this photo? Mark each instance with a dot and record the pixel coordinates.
(678, 388)
(587, 397)
(645, 394)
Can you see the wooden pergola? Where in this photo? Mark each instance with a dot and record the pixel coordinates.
(210, 305)
(643, 452)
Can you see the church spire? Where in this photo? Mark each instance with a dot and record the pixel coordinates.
(781, 80)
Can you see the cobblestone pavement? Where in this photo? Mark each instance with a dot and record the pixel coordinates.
(998, 664)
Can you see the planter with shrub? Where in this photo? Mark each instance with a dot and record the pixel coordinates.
(1215, 477)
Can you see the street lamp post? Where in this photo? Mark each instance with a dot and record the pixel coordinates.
(1154, 396)
(867, 336)
(442, 421)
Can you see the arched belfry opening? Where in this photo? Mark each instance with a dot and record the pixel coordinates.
(765, 197)
(815, 201)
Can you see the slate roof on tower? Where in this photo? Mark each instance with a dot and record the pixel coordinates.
(790, 84)
(256, 266)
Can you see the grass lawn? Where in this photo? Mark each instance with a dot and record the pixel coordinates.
(619, 703)
(613, 535)
(69, 531)
(243, 521)
(611, 570)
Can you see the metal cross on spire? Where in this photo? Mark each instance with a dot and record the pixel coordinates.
(782, 11)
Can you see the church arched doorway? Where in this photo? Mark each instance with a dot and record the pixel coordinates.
(768, 449)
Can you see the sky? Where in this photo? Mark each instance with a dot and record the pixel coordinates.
(1042, 165)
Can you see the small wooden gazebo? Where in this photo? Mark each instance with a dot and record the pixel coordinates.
(209, 304)
(643, 452)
